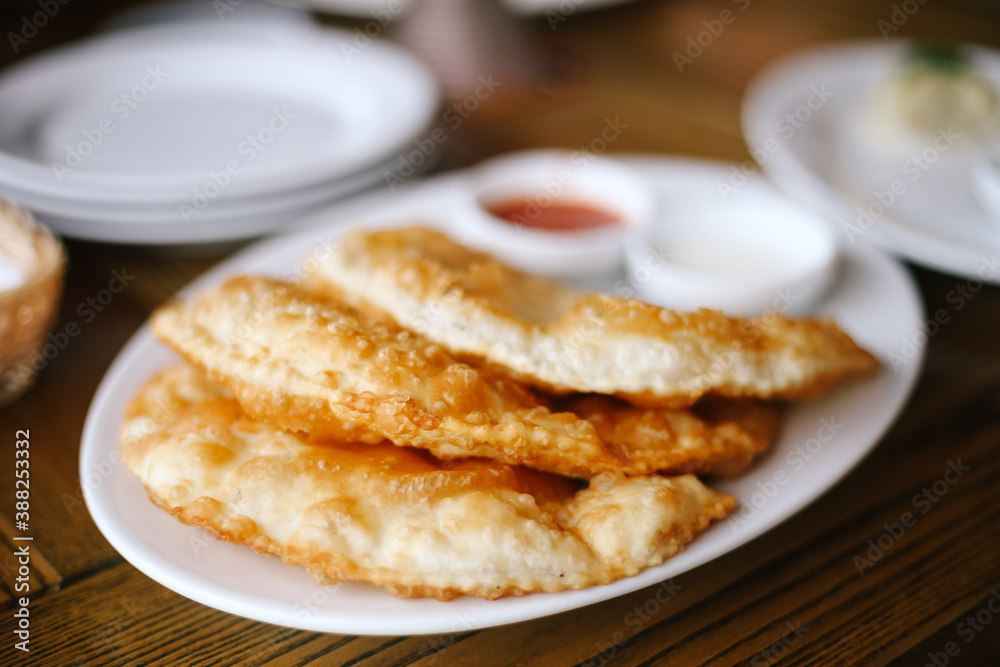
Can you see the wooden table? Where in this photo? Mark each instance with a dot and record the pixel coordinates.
(794, 594)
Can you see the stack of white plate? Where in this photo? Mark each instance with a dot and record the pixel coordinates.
(194, 133)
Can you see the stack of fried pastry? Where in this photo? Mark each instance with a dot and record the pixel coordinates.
(417, 415)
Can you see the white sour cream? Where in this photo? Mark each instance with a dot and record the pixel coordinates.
(755, 252)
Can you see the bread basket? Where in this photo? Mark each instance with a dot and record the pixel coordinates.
(28, 310)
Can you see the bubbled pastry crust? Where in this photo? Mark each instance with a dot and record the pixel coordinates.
(393, 516)
(315, 365)
(563, 341)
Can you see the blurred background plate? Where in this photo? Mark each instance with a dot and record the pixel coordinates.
(247, 126)
(183, 104)
(217, 222)
(933, 222)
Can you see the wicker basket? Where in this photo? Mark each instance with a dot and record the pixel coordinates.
(28, 311)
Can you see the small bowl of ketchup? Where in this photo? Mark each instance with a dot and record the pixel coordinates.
(555, 213)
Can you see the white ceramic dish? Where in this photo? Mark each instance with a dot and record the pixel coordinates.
(167, 212)
(544, 178)
(219, 221)
(939, 227)
(288, 107)
(749, 253)
(874, 300)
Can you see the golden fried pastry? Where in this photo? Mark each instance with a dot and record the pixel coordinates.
(563, 341)
(396, 516)
(318, 367)
(718, 436)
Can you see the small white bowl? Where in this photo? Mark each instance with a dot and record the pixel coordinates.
(563, 178)
(753, 253)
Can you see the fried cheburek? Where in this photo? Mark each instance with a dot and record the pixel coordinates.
(396, 516)
(718, 437)
(319, 367)
(562, 341)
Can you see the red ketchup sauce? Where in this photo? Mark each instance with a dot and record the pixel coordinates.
(556, 216)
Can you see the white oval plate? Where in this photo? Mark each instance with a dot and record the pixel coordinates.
(820, 442)
(219, 221)
(944, 229)
(158, 109)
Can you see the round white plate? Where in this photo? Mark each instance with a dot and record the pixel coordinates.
(170, 212)
(215, 223)
(942, 228)
(219, 220)
(820, 441)
(148, 115)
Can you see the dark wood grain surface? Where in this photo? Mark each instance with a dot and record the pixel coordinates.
(793, 596)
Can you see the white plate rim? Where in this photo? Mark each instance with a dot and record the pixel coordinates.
(427, 617)
(221, 223)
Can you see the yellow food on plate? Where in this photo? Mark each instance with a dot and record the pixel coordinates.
(564, 341)
(718, 437)
(317, 366)
(395, 516)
